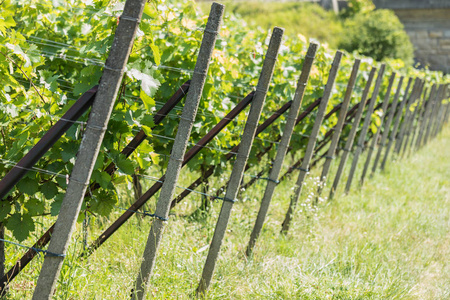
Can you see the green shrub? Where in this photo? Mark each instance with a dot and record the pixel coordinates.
(355, 7)
(378, 34)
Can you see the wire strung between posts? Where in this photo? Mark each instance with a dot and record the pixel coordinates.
(98, 62)
(301, 134)
(34, 169)
(102, 12)
(301, 169)
(37, 250)
(64, 88)
(190, 190)
(159, 105)
(145, 213)
(191, 143)
(269, 141)
(262, 178)
(256, 176)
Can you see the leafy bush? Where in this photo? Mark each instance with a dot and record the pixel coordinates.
(355, 7)
(378, 34)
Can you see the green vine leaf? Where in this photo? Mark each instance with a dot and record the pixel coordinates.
(20, 226)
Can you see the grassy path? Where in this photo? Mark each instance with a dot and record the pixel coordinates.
(389, 240)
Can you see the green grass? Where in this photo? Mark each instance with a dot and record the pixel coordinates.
(388, 240)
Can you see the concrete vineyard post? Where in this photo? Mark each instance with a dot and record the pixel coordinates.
(178, 150)
(387, 125)
(429, 124)
(304, 169)
(441, 111)
(338, 128)
(426, 115)
(365, 128)
(241, 159)
(377, 133)
(417, 120)
(398, 117)
(352, 134)
(405, 119)
(89, 147)
(410, 121)
(282, 147)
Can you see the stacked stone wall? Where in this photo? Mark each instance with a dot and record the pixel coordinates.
(429, 31)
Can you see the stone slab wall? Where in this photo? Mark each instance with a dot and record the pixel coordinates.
(427, 23)
(429, 31)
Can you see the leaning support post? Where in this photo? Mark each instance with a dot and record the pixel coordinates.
(351, 136)
(47, 141)
(89, 147)
(447, 112)
(418, 114)
(387, 125)
(426, 115)
(435, 121)
(441, 111)
(404, 121)
(432, 116)
(350, 114)
(338, 128)
(241, 159)
(398, 117)
(230, 155)
(410, 121)
(304, 169)
(365, 128)
(301, 117)
(178, 150)
(283, 146)
(377, 133)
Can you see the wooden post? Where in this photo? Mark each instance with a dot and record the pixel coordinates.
(365, 128)
(304, 169)
(241, 160)
(178, 150)
(426, 115)
(377, 133)
(338, 128)
(282, 147)
(392, 136)
(352, 134)
(405, 119)
(89, 147)
(387, 125)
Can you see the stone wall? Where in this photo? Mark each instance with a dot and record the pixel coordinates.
(427, 23)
